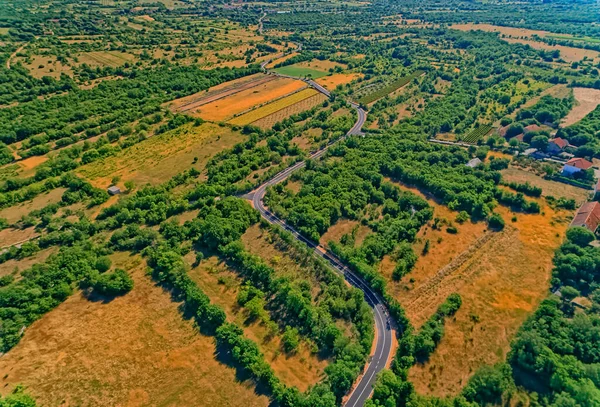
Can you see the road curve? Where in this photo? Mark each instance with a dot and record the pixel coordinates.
(384, 334)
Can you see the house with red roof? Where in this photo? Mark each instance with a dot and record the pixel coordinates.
(575, 165)
(532, 127)
(557, 145)
(588, 216)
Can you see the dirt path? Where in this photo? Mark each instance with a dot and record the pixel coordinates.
(14, 54)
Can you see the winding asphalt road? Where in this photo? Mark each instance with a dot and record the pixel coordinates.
(384, 334)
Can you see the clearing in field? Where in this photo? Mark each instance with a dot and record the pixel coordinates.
(105, 58)
(332, 81)
(300, 71)
(160, 157)
(224, 109)
(14, 213)
(42, 65)
(302, 369)
(343, 227)
(587, 100)
(501, 276)
(275, 107)
(319, 65)
(135, 350)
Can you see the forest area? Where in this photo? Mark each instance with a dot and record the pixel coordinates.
(306, 204)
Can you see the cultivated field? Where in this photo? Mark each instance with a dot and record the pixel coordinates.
(277, 106)
(586, 101)
(105, 58)
(226, 108)
(298, 107)
(193, 102)
(160, 157)
(300, 71)
(133, 351)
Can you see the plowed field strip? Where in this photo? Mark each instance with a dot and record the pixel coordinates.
(237, 88)
(273, 107)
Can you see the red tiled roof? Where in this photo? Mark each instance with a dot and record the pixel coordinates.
(588, 216)
(580, 163)
(560, 142)
(532, 127)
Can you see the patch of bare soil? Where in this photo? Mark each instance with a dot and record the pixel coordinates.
(587, 100)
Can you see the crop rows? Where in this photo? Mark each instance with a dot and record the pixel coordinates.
(386, 90)
(268, 109)
(477, 133)
(306, 104)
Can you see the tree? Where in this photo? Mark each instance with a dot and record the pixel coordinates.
(290, 340)
(580, 236)
(495, 221)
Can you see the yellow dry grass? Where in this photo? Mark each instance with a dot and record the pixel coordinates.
(133, 351)
(555, 189)
(302, 369)
(160, 157)
(105, 58)
(45, 66)
(273, 107)
(14, 213)
(226, 108)
(501, 280)
(333, 81)
(319, 65)
(342, 227)
(282, 59)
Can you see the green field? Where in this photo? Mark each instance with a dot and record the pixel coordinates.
(300, 71)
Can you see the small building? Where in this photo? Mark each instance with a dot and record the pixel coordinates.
(114, 190)
(473, 162)
(575, 165)
(532, 127)
(557, 145)
(588, 216)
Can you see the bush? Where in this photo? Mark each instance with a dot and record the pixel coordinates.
(111, 284)
(495, 221)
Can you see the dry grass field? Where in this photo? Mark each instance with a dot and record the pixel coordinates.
(105, 58)
(222, 285)
(133, 351)
(160, 157)
(45, 66)
(191, 103)
(586, 101)
(523, 36)
(14, 213)
(342, 227)
(555, 189)
(226, 108)
(333, 81)
(501, 276)
(319, 65)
